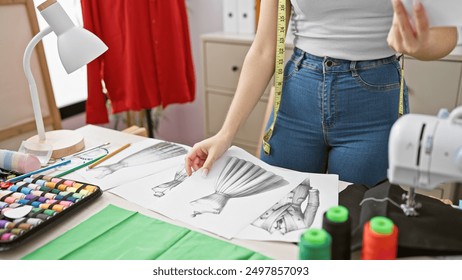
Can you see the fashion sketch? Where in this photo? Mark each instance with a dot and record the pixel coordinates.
(180, 176)
(287, 215)
(238, 189)
(156, 152)
(238, 178)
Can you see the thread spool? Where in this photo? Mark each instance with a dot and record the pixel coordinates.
(315, 244)
(337, 223)
(18, 162)
(380, 239)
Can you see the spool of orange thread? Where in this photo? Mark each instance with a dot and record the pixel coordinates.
(380, 239)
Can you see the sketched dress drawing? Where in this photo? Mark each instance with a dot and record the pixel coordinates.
(238, 178)
(157, 152)
(286, 215)
(179, 177)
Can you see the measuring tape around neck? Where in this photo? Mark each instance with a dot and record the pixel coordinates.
(279, 71)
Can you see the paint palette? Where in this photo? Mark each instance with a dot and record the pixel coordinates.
(30, 206)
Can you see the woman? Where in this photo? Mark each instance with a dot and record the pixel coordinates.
(341, 87)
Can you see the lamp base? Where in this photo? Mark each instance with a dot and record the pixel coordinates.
(61, 142)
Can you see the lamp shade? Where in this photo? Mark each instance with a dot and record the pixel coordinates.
(77, 47)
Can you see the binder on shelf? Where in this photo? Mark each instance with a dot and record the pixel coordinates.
(246, 16)
(230, 20)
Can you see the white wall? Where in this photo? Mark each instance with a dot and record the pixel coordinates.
(185, 123)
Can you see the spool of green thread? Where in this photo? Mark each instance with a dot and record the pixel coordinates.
(337, 214)
(381, 225)
(315, 245)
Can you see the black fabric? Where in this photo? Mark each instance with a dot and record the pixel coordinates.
(351, 197)
(436, 231)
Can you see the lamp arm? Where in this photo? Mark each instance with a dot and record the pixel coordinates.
(32, 85)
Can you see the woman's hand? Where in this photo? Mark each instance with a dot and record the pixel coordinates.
(404, 36)
(414, 37)
(205, 153)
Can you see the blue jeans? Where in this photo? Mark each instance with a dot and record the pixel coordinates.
(335, 116)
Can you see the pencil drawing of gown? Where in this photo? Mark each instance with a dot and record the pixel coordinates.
(157, 152)
(179, 177)
(238, 178)
(286, 215)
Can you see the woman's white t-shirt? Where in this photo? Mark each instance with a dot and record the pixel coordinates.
(344, 29)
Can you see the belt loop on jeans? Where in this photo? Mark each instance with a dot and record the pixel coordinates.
(299, 59)
(353, 68)
(324, 65)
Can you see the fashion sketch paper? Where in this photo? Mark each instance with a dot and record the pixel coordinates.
(141, 159)
(439, 12)
(150, 190)
(300, 209)
(238, 188)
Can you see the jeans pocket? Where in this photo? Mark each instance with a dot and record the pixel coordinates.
(289, 70)
(383, 77)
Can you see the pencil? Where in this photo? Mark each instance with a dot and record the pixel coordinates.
(79, 167)
(17, 178)
(109, 155)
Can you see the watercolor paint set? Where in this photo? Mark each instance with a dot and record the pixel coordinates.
(34, 204)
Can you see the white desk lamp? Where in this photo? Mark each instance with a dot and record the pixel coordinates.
(77, 47)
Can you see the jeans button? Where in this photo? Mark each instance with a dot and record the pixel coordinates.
(329, 63)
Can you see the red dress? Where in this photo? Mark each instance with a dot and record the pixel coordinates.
(149, 61)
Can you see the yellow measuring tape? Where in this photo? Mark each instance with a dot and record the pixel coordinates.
(401, 89)
(279, 70)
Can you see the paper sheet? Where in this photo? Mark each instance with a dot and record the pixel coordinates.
(279, 229)
(440, 12)
(180, 200)
(189, 200)
(141, 159)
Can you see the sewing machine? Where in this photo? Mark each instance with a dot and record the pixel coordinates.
(425, 151)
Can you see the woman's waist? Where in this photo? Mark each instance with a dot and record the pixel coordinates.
(301, 57)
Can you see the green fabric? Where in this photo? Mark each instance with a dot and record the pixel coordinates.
(116, 233)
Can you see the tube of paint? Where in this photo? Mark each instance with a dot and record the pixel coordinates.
(19, 162)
